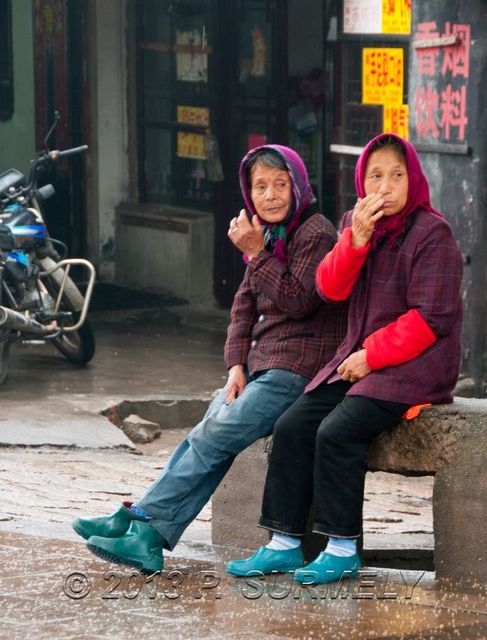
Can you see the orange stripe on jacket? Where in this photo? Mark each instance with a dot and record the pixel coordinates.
(415, 410)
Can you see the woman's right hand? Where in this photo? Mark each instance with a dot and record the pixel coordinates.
(365, 214)
(248, 236)
(235, 384)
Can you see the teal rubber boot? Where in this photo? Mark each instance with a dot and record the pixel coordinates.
(327, 568)
(112, 526)
(266, 561)
(140, 547)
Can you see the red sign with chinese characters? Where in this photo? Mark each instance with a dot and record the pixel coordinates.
(440, 103)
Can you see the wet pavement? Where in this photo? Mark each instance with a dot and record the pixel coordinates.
(139, 355)
(57, 589)
(52, 587)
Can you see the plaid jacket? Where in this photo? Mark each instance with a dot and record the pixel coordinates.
(278, 320)
(423, 271)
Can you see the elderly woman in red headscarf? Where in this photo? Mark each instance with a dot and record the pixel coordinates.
(400, 268)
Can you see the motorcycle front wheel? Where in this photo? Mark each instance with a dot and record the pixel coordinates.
(77, 346)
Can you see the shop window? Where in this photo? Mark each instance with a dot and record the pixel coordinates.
(6, 76)
(174, 80)
(357, 117)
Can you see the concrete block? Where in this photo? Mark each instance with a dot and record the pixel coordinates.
(165, 249)
(237, 501)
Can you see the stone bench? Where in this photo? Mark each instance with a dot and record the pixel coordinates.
(447, 441)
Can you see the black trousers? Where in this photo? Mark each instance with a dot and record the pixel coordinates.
(319, 452)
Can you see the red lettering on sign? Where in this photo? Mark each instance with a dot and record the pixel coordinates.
(453, 111)
(456, 57)
(426, 104)
(441, 103)
(427, 57)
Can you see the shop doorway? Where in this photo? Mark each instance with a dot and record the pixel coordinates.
(252, 111)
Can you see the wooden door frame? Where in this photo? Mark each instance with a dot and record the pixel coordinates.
(59, 59)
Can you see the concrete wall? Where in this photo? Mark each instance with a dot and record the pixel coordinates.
(17, 134)
(458, 185)
(108, 176)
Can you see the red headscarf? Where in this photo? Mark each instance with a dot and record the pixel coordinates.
(418, 190)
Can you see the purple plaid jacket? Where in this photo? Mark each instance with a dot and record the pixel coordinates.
(424, 272)
(278, 320)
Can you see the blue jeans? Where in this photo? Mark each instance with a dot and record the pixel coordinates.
(201, 460)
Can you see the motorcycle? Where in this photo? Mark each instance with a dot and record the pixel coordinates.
(38, 298)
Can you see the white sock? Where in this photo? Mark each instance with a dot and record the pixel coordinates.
(343, 547)
(282, 542)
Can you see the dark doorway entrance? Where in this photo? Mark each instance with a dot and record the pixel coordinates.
(208, 68)
(252, 111)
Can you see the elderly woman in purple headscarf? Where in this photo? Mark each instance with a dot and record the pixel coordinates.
(399, 266)
(281, 334)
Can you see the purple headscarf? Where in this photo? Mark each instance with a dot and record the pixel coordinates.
(302, 196)
(418, 190)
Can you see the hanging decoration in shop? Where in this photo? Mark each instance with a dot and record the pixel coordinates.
(191, 56)
(383, 84)
(259, 48)
(189, 144)
(377, 16)
(442, 58)
(255, 43)
(214, 168)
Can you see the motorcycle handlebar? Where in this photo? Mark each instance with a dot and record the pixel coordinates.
(70, 152)
(45, 156)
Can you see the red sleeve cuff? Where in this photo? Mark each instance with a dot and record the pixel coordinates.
(399, 341)
(340, 268)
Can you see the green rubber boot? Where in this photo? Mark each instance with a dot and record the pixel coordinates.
(140, 547)
(328, 568)
(112, 526)
(267, 560)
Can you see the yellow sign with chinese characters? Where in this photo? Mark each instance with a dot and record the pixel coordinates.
(193, 115)
(382, 75)
(191, 145)
(396, 16)
(396, 119)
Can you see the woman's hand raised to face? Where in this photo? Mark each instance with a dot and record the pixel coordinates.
(365, 214)
(245, 235)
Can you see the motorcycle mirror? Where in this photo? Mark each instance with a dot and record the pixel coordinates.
(57, 117)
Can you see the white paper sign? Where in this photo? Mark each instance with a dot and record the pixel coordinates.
(362, 16)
